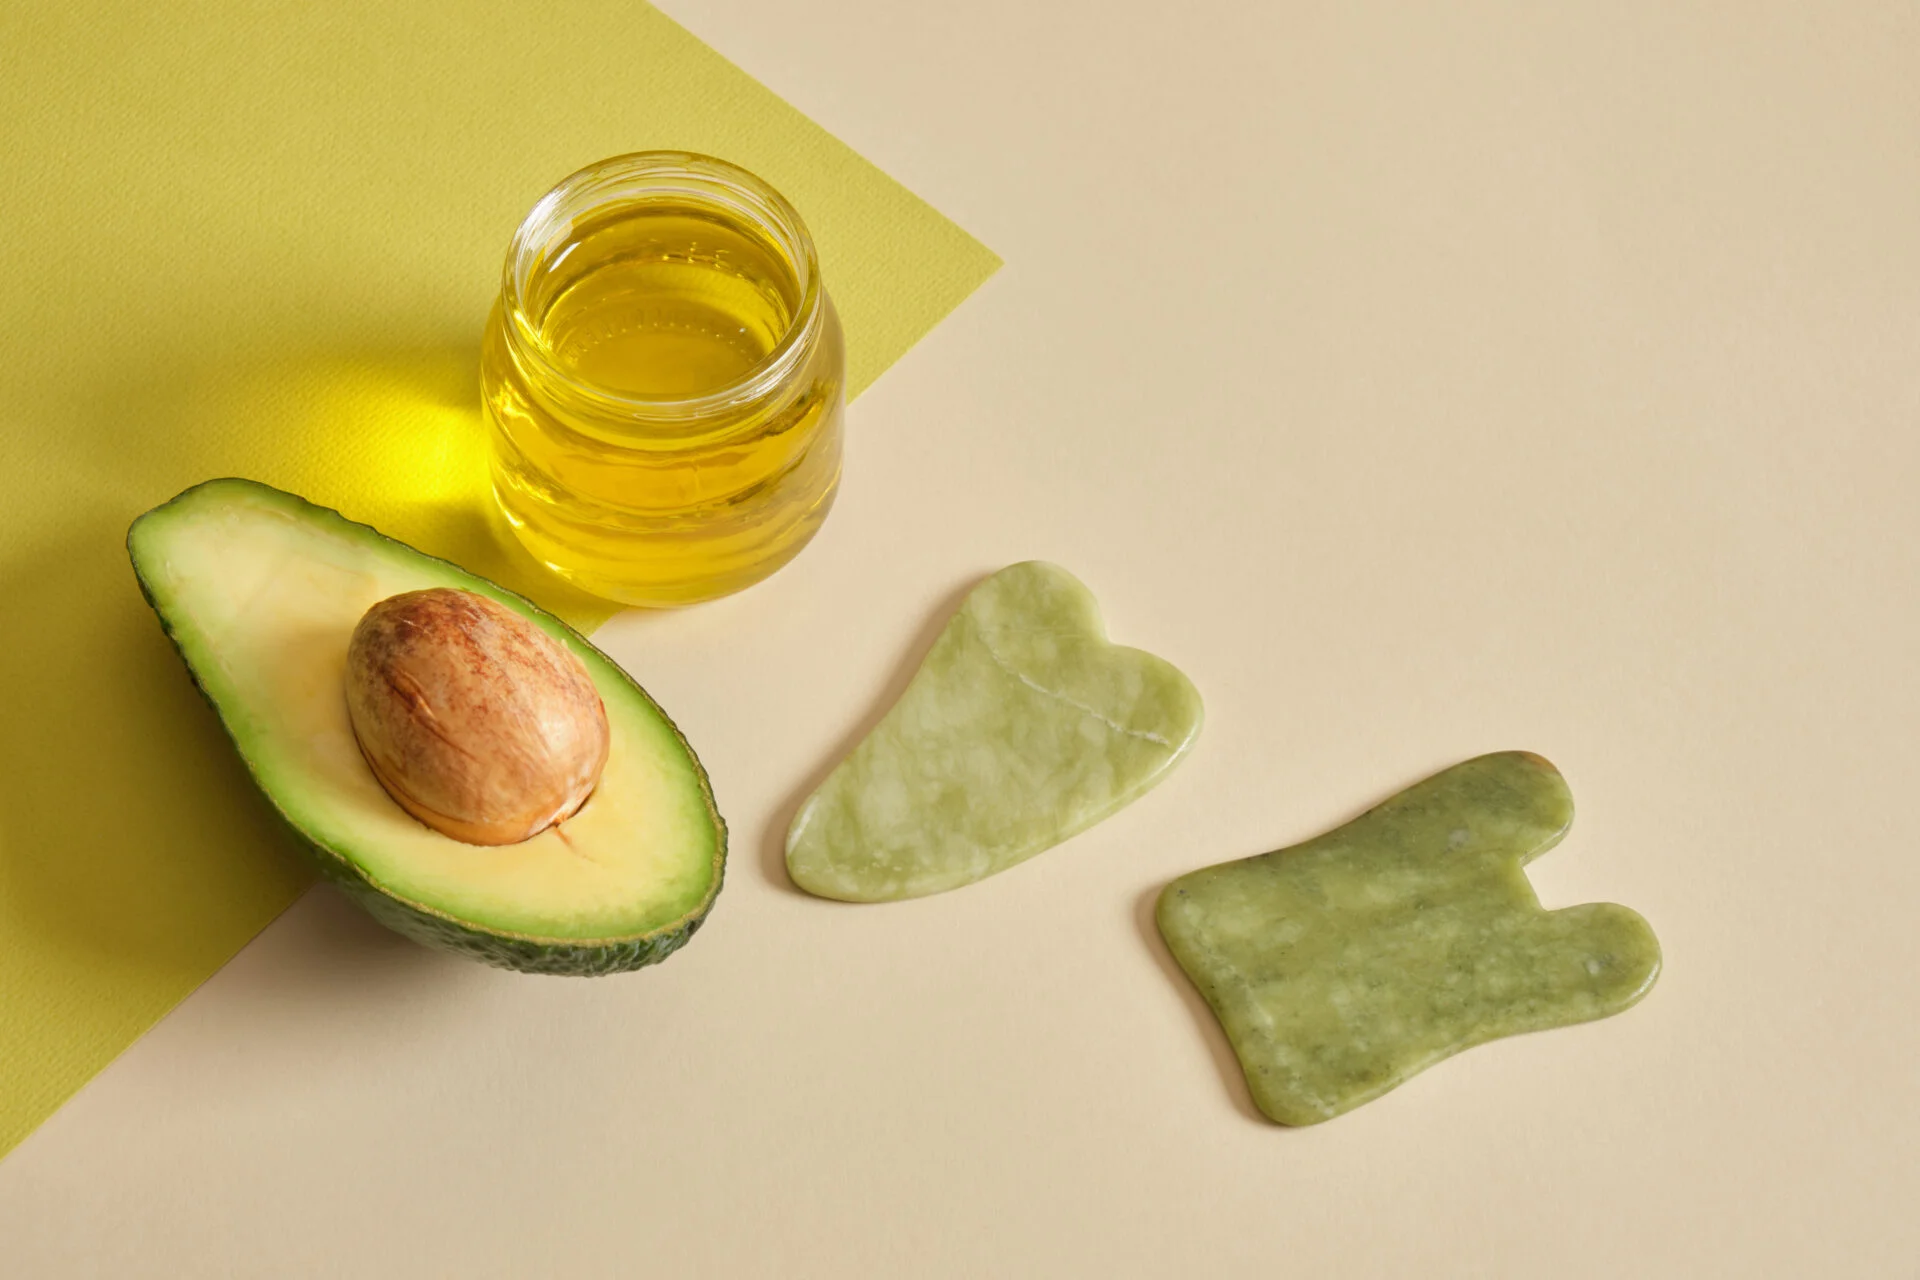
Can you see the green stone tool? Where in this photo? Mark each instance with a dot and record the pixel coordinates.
(1343, 966)
(1023, 726)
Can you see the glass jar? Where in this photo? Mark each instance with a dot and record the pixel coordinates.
(664, 381)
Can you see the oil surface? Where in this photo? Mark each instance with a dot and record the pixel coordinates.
(667, 304)
(642, 501)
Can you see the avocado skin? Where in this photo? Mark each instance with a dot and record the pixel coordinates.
(568, 957)
(526, 955)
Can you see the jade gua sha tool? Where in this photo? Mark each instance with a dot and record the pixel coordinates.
(1343, 966)
(1023, 726)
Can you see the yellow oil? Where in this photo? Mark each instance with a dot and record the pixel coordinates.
(634, 452)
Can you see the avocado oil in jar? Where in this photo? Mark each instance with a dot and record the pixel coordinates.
(663, 379)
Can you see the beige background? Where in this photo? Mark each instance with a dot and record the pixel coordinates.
(1423, 384)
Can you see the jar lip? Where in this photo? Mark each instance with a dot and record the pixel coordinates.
(702, 179)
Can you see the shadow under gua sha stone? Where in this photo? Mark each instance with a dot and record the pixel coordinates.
(1023, 726)
(1343, 966)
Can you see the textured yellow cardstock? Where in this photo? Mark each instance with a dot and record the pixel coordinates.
(261, 240)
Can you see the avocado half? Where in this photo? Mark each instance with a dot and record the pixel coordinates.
(260, 591)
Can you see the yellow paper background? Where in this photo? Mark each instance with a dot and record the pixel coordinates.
(260, 240)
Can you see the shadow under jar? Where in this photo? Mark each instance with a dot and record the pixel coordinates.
(664, 381)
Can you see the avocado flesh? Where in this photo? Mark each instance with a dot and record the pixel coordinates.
(260, 592)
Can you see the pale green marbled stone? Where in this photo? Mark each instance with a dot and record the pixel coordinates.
(1023, 726)
(1343, 966)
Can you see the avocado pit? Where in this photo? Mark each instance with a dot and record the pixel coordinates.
(473, 719)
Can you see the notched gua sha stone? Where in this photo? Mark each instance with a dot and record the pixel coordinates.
(1023, 726)
(1343, 966)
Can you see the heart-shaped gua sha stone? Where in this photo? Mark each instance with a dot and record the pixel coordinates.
(1023, 726)
(1343, 966)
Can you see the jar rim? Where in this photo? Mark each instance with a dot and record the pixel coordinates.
(701, 179)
